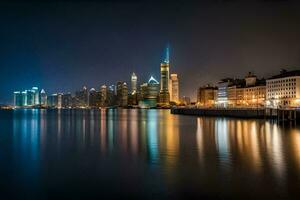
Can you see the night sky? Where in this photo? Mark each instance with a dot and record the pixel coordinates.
(62, 45)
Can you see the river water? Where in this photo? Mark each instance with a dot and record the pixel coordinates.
(145, 154)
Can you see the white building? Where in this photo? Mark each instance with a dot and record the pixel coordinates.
(133, 83)
(283, 90)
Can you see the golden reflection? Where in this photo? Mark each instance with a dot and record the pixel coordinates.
(222, 142)
(247, 142)
(58, 128)
(295, 145)
(254, 142)
(134, 131)
(123, 134)
(171, 138)
(200, 140)
(274, 149)
(103, 139)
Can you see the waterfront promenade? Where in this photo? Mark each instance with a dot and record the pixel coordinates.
(259, 113)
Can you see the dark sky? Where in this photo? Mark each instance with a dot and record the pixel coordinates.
(62, 45)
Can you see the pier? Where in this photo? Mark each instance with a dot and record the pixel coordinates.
(258, 113)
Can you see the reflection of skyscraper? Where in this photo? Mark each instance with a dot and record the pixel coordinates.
(133, 83)
(164, 96)
(174, 88)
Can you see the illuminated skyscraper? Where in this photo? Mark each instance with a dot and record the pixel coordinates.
(30, 97)
(55, 100)
(92, 98)
(164, 95)
(43, 98)
(122, 94)
(36, 99)
(149, 94)
(103, 95)
(66, 100)
(174, 88)
(24, 98)
(133, 83)
(18, 99)
(111, 96)
(82, 97)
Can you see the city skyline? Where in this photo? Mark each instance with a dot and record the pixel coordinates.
(46, 46)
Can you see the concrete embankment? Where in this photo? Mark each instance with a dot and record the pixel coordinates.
(258, 113)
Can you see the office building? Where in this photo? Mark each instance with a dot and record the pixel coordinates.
(149, 94)
(111, 97)
(174, 88)
(283, 90)
(207, 96)
(81, 98)
(222, 98)
(133, 83)
(24, 98)
(122, 94)
(43, 98)
(185, 100)
(18, 101)
(66, 100)
(30, 97)
(164, 95)
(54, 100)
(36, 98)
(103, 96)
(254, 92)
(92, 98)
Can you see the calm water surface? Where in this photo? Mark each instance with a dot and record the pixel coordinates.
(146, 154)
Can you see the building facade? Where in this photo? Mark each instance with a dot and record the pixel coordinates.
(283, 90)
(133, 83)
(164, 95)
(43, 97)
(82, 98)
(206, 96)
(122, 94)
(149, 94)
(174, 88)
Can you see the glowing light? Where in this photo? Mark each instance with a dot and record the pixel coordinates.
(151, 80)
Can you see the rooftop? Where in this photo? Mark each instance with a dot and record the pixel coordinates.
(285, 73)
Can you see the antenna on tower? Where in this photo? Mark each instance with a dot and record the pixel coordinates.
(167, 55)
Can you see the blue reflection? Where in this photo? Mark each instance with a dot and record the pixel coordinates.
(26, 143)
(222, 141)
(152, 135)
(111, 113)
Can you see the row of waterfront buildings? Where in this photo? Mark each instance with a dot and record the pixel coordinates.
(279, 91)
(149, 94)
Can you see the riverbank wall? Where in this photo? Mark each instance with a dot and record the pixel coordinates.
(258, 113)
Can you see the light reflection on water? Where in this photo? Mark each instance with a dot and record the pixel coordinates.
(171, 154)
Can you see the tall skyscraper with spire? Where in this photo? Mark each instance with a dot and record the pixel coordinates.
(133, 83)
(164, 95)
